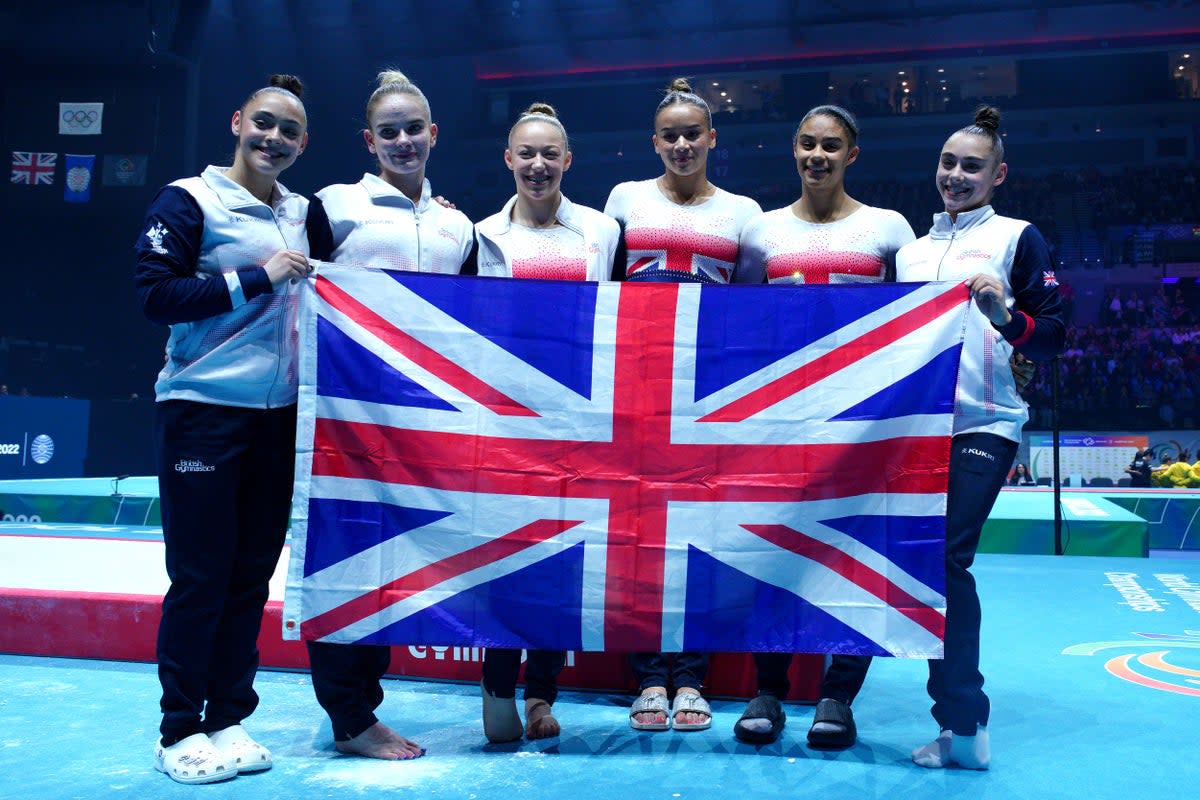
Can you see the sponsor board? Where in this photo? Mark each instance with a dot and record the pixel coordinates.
(42, 437)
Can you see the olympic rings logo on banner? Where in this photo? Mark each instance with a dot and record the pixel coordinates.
(85, 119)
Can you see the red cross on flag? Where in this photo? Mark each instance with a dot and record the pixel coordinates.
(623, 467)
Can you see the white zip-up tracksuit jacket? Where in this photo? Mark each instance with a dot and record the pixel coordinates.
(1014, 252)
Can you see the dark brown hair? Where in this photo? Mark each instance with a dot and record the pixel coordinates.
(282, 84)
(847, 120)
(680, 91)
(987, 125)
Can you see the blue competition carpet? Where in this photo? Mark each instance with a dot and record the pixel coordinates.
(1093, 667)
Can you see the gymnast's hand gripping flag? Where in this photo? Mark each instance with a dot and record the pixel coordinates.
(625, 467)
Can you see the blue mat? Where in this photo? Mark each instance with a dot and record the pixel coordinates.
(1063, 725)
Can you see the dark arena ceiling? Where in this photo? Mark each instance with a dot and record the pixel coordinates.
(513, 38)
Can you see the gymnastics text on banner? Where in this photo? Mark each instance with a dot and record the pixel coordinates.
(623, 467)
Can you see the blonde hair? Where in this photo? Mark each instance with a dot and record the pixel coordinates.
(680, 91)
(540, 112)
(393, 81)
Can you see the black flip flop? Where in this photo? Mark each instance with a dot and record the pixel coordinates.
(766, 707)
(838, 713)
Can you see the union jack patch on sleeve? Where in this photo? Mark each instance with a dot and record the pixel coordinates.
(1048, 278)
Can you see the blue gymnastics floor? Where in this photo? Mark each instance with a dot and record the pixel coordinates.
(1093, 668)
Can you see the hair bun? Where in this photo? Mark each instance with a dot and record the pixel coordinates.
(988, 117)
(288, 82)
(680, 85)
(390, 76)
(545, 109)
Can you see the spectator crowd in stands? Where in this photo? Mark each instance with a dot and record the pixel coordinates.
(1144, 195)
(1164, 306)
(1127, 377)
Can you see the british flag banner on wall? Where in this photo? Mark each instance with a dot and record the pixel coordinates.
(33, 169)
(623, 467)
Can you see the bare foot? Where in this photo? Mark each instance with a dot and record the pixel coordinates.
(652, 717)
(380, 741)
(690, 717)
(539, 720)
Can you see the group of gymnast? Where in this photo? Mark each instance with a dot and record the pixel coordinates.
(221, 258)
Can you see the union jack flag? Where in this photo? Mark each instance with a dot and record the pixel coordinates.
(622, 466)
(644, 263)
(33, 168)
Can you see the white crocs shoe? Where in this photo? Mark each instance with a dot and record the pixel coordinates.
(500, 720)
(193, 760)
(936, 754)
(243, 752)
(952, 750)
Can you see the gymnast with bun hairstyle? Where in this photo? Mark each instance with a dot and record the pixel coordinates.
(219, 261)
(538, 233)
(678, 227)
(1015, 307)
(387, 220)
